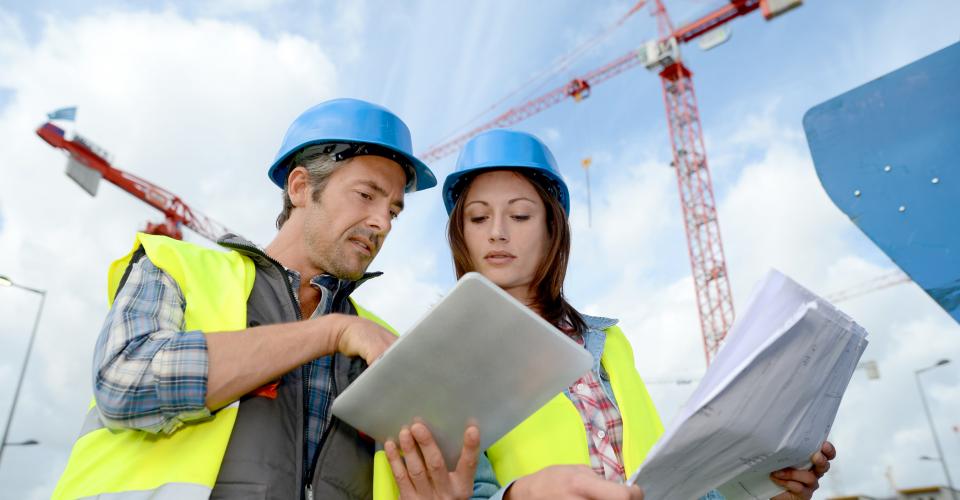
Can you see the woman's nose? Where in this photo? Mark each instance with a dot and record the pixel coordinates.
(497, 232)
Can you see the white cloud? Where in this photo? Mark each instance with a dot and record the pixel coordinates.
(197, 106)
(551, 135)
(400, 296)
(221, 7)
(633, 210)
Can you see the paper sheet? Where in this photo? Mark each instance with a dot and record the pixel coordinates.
(767, 401)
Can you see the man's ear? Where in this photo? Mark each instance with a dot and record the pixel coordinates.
(298, 187)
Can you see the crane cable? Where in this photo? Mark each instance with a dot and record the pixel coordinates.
(552, 70)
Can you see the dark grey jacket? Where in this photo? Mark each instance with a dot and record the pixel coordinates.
(265, 454)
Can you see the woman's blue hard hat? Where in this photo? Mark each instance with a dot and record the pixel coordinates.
(503, 149)
(353, 127)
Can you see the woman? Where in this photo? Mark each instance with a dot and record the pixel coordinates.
(508, 208)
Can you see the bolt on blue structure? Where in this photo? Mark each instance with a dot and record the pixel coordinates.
(888, 155)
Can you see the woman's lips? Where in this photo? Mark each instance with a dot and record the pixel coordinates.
(499, 257)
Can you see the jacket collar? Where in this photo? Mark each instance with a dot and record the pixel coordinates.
(598, 322)
(252, 250)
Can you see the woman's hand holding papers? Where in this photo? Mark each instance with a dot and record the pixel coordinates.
(801, 484)
(574, 482)
(421, 472)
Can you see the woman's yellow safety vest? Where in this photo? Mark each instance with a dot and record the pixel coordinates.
(184, 465)
(555, 434)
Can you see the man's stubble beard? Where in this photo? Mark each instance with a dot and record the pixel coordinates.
(334, 260)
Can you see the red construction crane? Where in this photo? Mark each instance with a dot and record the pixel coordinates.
(87, 164)
(714, 299)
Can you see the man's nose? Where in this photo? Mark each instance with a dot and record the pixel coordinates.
(380, 221)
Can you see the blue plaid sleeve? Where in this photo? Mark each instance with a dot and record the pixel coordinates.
(148, 373)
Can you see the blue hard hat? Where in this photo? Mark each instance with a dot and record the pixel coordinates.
(502, 149)
(352, 127)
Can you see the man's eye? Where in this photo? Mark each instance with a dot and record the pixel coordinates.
(364, 195)
(394, 214)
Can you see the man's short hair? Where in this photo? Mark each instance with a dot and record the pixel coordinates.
(320, 166)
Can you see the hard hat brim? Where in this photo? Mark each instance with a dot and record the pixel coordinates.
(425, 178)
(452, 190)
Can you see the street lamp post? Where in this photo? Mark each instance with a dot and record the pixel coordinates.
(4, 281)
(933, 430)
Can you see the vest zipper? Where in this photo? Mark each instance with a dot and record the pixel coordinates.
(315, 458)
(308, 470)
(308, 489)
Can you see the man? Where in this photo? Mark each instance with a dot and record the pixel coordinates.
(214, 371)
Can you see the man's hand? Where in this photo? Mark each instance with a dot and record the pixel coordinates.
(421, 472)
(244, 360)
(572, 482)
(801, 484)
(357, 336)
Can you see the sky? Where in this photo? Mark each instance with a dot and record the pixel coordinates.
(196, 96)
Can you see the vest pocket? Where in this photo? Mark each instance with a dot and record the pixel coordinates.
(239, 491)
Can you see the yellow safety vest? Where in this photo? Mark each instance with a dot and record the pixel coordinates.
(184, 464)
(555, 434)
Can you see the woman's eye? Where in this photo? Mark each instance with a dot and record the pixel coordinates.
(478, 219)
(521, 217)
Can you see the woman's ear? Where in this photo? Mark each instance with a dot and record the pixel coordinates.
(298, 187)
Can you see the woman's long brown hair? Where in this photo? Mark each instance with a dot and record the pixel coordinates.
(548, 280)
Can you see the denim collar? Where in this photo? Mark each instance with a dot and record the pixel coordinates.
(595, 336)
(333, 291)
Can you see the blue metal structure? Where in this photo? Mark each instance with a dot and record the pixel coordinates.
(888, 155)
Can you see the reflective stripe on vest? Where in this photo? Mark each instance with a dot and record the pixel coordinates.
(168, 491)
(134, 464)
(555, 434)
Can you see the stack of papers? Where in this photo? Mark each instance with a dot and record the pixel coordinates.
(767, 401)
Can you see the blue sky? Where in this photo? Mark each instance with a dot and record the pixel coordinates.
(196, 96)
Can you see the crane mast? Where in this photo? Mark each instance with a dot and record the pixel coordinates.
(704, 245)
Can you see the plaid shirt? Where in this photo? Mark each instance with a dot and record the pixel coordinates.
(150, 374)
(602, 422)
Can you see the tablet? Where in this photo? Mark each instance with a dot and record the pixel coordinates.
(479, 356)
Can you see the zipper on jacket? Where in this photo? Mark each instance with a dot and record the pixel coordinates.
(315, 458)
(284, 275)
(308, 488)
(308, 470)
